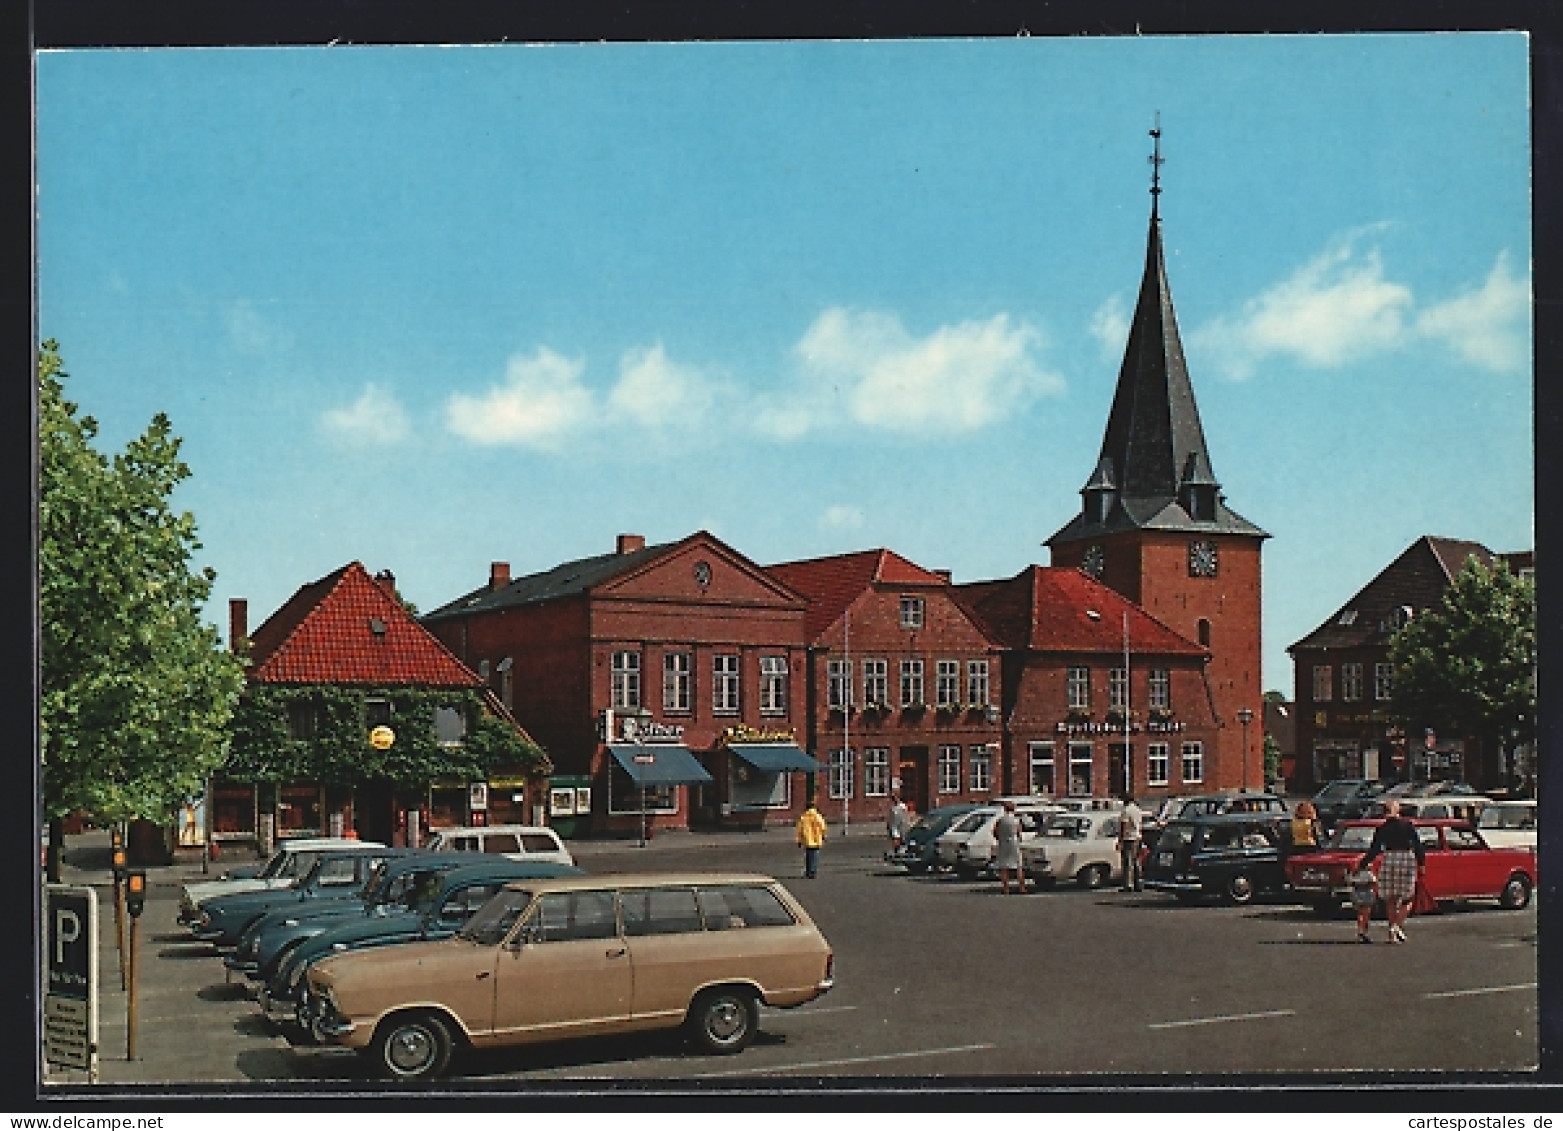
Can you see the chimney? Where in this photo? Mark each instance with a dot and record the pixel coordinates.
(386, 580)
(498, 576)
(941, 573)
(238, 621)
(629, 543)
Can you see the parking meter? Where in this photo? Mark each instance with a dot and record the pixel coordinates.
(117, 847)
(135, 892)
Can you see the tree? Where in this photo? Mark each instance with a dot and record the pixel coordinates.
(1467, 666)
(135, 691)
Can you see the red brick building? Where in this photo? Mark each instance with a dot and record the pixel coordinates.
(667, 682)
(1154, 523)
(902, 683)
(1080, 663)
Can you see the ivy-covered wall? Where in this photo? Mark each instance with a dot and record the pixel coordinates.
(337, 749)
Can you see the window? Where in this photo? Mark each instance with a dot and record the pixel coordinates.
(1118, 689)
(773, 685)
(876, 771)
(660, 911)
(977, 683)
(1079, 769)
(1160, 689)
(301, 718)
(947, 683)
(676, 670)
(450, 726)
(729, 906)
(1079, 688)
(1351, 682)
(1204, 633)
(1193, 762)
(981, 769)
(841, 774)
(626, 681)
(912, 612)
(949, 769)
(572, 916)
(911, 683)
(1321, 683)
(838, 687)
(460, 905)
(1156, 764)
(876, 682)
(1041, 757)
(724, 685)
(1383, 681)
(377, 712)
(498, 844)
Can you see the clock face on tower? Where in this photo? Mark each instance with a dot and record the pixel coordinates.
(1094, 561)
(1202, 558)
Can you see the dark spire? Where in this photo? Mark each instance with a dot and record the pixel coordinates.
(1154, 469)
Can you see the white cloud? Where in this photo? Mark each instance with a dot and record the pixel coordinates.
(1485, 325)
(1336, 308)
(840, 516)
(376, 417)
(865, 369)
(655, 391)
(249, 331)
(539, 404)
(1110, 325)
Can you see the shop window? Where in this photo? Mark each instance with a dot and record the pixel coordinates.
(1080, 757)
(298, 807)
(447, 806)
(753, 788)
(1041, 758)
(233, 809)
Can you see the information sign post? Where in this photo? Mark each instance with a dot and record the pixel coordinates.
(70, 1002)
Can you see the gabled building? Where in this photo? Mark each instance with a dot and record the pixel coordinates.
(1155, 526)
(667, 682)
(356, 718)
(1098, 696)
(902, 686)
(1345, 679)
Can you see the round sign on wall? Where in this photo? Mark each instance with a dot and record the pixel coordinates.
(382, 737)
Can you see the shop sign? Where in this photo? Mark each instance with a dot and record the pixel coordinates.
(742, 732)
(1092, 726)
(647, 730)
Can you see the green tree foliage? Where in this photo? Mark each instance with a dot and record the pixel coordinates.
(135, 691)
(1467, 666)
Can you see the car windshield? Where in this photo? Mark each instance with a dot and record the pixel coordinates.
(492, 922)
(273, 865)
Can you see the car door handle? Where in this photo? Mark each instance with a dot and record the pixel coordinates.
(483, 974)
(616, 952)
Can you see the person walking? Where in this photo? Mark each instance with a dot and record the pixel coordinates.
(897, 822)
(1131, 825)
(811, 835)
(1404, 856)
(1006, 848)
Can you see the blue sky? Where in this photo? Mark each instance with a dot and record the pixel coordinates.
(429, 308)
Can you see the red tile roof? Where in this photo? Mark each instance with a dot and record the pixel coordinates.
(833, 583)
(325, 633)
(1048, 609)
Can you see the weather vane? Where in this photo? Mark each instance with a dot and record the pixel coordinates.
(1156, 160)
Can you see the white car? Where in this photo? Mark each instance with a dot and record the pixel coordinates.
(281, 869)
(974, 852)
(532, 843)
(1077, 846)
(949, 843)
(1509, 824)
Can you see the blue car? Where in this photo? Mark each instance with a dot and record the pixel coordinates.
(335, 875)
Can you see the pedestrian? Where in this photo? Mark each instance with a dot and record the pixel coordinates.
(1364, 890)
(811, 835)
(1404, 856)
(1305, 830)
(1006, 848)
(897, 822)
(1131, 824)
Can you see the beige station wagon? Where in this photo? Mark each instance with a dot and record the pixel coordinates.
(578, 956)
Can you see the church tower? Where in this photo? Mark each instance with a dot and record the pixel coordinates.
(1154, 524)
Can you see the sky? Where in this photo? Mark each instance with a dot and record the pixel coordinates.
(428, 308)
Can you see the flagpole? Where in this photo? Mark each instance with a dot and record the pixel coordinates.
(846, 722)
(1128, 756)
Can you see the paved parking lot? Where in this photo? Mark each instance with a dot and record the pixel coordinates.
(947, 979)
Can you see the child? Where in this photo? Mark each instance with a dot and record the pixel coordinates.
(1364, 890)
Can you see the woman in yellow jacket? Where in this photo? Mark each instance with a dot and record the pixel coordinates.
(811, 834)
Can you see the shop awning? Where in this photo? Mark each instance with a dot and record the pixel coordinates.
(661, 765)
(775, 757)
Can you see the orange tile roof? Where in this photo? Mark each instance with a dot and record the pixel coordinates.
(1048, 609)
(831, 584)
(325, 633)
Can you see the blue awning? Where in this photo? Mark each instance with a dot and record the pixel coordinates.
(661, 765)
(776, 757)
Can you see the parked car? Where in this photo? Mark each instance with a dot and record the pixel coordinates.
(1207, 804)
(1457, 806)
(518, 842)
(1509, 824)
(974, 852)
(575, 956)
(438, 903)
(1460, 865)
(332, 876)
(1344, 799)
(281, 869)
(1076, 846)
(919, 849)
(1235, 856)
(947, 845)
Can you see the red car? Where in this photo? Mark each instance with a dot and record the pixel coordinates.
(1460, 865)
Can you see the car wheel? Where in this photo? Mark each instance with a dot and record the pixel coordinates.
(1516, 893)
(724, 1020)
(413, 1046)
(1093, 875)
(1239, 889)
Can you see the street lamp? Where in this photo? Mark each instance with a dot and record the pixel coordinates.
(1245, 716)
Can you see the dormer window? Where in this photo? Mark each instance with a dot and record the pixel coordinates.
(912, 612)
(1347, 618)
(377, 626)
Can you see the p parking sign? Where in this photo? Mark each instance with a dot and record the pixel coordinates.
(70, 1002)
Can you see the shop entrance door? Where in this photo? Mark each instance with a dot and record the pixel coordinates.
(912, 769)
(1116, 783)
(374, 817)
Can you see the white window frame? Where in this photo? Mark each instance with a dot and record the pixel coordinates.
(949, 776)
(1159, 689)
(980, 759)
(1117, 689)
(1078, 687)
(840, 784)
(678, 682)
(876, 682)
(912, 683)
(947, 683)
(1193, 763)
(914, 612)
(1081, 754)
(726, 686)
(1323, 678)
(978, 693)
(876, 771)
(1158, 763)
(838, 684)
(1042, 754)
(1383, 682)
(1351, 682)
(626, 680)
(773, 685)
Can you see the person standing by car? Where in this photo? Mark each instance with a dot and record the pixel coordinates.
(1006, 848)
(1364, 890)
(897, 822)
(811, 835)
(1403, 853)
(1305, 831)
(1131, 824)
